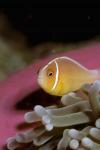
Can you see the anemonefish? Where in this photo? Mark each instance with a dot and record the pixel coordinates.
(63, 75)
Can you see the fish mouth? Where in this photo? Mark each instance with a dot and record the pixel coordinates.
(40, 80)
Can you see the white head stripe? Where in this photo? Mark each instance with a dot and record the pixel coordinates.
(57, 74)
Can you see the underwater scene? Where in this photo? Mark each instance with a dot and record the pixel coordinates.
(49, 76)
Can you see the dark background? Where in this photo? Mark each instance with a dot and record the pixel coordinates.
(59, 22)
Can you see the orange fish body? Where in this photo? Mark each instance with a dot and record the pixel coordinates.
(63, 75)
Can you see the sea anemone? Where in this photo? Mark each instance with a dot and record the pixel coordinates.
(73, 124)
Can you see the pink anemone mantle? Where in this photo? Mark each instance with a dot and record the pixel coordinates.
(24, 82)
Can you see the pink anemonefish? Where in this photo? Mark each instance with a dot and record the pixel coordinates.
(63, 75)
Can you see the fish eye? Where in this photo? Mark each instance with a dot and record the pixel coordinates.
(50, 73)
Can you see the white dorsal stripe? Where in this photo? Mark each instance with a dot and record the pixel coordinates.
(66, 58)
(57, 75)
